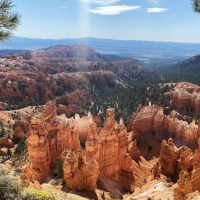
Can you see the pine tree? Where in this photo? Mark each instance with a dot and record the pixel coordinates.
(59, 168)
(8, 20)
(196, 5)
(9, 153)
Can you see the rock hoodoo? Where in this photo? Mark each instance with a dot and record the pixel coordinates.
(168, 157)
(48, 136)
(173, 159)
(189, 177)
(104, 154)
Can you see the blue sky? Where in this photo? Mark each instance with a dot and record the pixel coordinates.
(154, 20)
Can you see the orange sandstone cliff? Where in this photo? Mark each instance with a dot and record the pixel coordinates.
(105, 153)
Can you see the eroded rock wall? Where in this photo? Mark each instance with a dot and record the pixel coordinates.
(173, 160)
(189, 179)
(78, 173)
(186, 96)
(152, 119)
(48, 136)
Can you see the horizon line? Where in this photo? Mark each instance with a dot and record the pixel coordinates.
(125, 40)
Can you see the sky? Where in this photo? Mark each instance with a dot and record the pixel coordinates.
(149, 20)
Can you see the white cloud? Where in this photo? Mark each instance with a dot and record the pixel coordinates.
(113, 10)
(101, 2)
(156, 10)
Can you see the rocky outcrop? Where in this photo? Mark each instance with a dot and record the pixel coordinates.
(105, 154)
(186, 96)
(93, 143)
(156, 170)
(81, 126)
(184, 159)
(6, 143)
(18, 133)
(151, 119)
(27, 176)
(78, 173)
(27, 55)
(188, 182)
(132, 149)
(143, 121)
(197, 133)
(174, 160)
(20, 129)
(80, 167)
(48, 136)
(168, 157)
(78, 97)
(114, 161)
(195, 158)
(71, 110)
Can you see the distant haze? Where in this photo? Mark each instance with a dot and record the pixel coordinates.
(140, 50)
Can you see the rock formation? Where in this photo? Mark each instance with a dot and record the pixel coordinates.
(109, 150)
(48, 136)
(51, 137)
(71, 110)
(6, 143)
(78, 173)
(156, 170)
(20, 129)
(152, 119)
(143, 120)
(92, 144)
(168, 157)
(186, 96)
(132, 149)
(114, 161)
(184, 159)
(188, 182)
(195, 158)
(27, 176)
(174, 160)
(81, 126)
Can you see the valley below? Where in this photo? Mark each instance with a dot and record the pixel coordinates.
(77, 124)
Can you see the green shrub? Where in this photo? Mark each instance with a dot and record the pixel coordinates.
(102, 195)
(9, 186)
(60, 181)
(112, 196)
(169, 185)
(38, 195)
(19, 170)
(168, 179)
